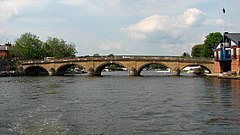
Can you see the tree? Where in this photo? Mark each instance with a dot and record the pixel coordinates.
(58, 48)
(111, 55)
(96, 55)
(209, 43)
(196, 50)
(157, 66)
(28, 46)
(185, 55)
(113, 67)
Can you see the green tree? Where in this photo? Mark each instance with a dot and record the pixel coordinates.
(111, 55)
(157, 66)
(185, 55)
(58, 48)
(28, 46)
(209, 43)
(96, 55)
(113, 67)
(196, 50)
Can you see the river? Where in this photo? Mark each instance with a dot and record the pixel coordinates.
(117, 104)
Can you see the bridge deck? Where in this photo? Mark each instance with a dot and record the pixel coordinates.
(120, 58)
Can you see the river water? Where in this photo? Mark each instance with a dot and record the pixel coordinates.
(119, 105)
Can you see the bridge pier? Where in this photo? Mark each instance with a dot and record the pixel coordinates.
(91, 72)
(133, 72)
(52, 72)
(176, 71)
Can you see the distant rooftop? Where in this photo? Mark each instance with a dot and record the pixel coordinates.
(5, 47)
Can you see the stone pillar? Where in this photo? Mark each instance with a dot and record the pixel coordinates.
(20, 70)
(91, 72)
(133, 72)
(176, 71)
(52, 72)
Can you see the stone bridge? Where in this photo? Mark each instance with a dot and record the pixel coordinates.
(94, 65)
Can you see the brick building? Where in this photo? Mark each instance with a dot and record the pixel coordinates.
(227, 54)
(4, 51)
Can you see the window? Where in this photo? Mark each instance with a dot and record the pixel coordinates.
(227, 54)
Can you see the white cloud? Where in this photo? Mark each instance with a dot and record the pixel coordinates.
(150, 24)
(74, 2)
(218, 21)
(172, 26)
(194, 16)
(100, 8)
(147, 25)
(9, 8)
(110, 46)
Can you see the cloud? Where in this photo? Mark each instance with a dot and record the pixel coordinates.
(91, 7)
(194, 16)
(74, 2)
(110, 46)
(9, 8)
(218, 22)
(172, 26)
(149, 24)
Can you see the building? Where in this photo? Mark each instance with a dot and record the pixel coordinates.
(4, 51)
(227, 54)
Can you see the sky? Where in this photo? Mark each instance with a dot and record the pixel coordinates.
(120, 27)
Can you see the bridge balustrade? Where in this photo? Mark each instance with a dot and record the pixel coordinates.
(89, 58)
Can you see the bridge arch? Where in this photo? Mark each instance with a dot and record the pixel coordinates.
(36, 71)
(140, 69)
(100, 67)
(62, 70)
(201, 65)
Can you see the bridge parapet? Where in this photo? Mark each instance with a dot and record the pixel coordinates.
(121, 58)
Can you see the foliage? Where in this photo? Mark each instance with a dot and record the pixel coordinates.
(29, 46)
(157, 66)
(113, 67)
(185, 55)
(196, 50)
(2, 58)
(58, 48)
(111, 55)
(96, 55)
(206, 49)
(199, 71)
(209, 43)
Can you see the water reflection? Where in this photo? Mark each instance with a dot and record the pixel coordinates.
(223, 118)
(228, 92)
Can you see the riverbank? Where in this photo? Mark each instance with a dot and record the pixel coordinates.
(10, 73)
(224, 76)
